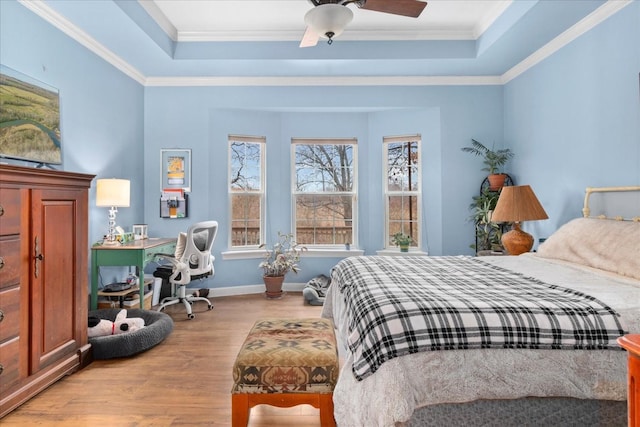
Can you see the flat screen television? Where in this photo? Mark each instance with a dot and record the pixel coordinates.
(29, 119)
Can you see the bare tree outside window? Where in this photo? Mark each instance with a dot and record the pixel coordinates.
(402, 188)
(246, 188)
(324, 192)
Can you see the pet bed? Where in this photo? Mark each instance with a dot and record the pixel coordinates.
(157, 327)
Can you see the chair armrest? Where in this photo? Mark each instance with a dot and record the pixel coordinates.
(175, 271)
(165, 261)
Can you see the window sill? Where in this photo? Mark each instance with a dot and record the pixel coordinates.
(396, 252)
(311, 253)
(243, 254)
(332, 253)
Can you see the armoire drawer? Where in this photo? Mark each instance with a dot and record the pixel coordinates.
(9, 211)
(10, 359)
(10, 264)
(9, 314)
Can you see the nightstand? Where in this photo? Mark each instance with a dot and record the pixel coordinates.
(631, 343)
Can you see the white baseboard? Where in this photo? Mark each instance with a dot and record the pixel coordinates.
(251, 289)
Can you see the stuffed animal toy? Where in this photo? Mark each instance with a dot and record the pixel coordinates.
(316, 289)
(102, 327)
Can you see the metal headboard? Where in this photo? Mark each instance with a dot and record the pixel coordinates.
(632, 204)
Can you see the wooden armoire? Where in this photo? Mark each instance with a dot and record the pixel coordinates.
(43, 279)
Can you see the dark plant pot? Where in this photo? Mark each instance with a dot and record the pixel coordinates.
(404, 248)
(496, 181)
(273, 285)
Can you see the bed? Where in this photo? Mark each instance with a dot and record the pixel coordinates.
(419, 331)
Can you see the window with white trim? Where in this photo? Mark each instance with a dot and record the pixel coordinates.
(324, 191)
(402, 190)
(246, 190)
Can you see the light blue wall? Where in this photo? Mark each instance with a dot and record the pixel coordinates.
(574, 119)
(575, 115)
(202, 118)
(101, 109)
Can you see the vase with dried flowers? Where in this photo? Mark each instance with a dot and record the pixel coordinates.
(279, 259)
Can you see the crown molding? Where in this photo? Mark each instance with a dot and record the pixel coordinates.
(352, 35)
(160, 18)
(587, 23)
(484, 25)
(41, 9)
(326, 81)
(433, 33)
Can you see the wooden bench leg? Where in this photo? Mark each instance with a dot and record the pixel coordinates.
(239, 410)
(326, 410)
(241, 405)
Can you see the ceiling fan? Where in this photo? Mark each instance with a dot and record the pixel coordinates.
(329, 17)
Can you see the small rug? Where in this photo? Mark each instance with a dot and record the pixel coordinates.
(531, 411)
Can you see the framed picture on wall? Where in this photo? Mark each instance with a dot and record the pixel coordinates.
(175, 169)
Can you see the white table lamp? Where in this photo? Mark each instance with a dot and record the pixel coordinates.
(113, 193)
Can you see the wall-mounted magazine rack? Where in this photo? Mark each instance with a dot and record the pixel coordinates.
(174, 204)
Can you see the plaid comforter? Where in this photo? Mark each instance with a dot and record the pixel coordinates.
(403, 305)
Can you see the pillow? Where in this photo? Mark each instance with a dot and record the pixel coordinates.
(181, 244)
(609, 245)
(199, 240)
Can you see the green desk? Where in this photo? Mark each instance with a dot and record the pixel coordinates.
(138, 253)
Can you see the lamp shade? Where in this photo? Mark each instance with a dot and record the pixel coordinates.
(518, 203)
(329, 19)
(113, 192)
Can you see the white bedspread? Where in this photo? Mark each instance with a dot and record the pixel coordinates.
(403, 384)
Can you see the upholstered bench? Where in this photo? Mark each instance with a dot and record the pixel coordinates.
(284, 363)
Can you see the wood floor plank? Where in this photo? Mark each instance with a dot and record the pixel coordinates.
(184, 381)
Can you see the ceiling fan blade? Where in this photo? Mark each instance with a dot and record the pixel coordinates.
(410, 8)
(309, 39)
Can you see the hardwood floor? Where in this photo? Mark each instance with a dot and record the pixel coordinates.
(185, 380)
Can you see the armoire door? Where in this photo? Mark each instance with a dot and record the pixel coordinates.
(58, 240)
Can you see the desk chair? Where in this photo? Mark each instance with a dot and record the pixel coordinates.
(192, 260)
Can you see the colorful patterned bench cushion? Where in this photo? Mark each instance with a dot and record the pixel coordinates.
(287, 356)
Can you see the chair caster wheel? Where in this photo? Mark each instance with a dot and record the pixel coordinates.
(210, 306)
(191, 316)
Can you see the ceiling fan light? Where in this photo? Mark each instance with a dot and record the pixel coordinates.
(328, 18)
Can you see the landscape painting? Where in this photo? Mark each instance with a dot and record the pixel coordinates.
(29, 119)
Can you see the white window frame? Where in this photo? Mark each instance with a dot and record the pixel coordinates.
(354, 189)
(417, 193)
(261, 140)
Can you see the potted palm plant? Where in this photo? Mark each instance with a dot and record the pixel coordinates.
(488, 233)
(402, 240)
(493, 161)
(281, 258)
